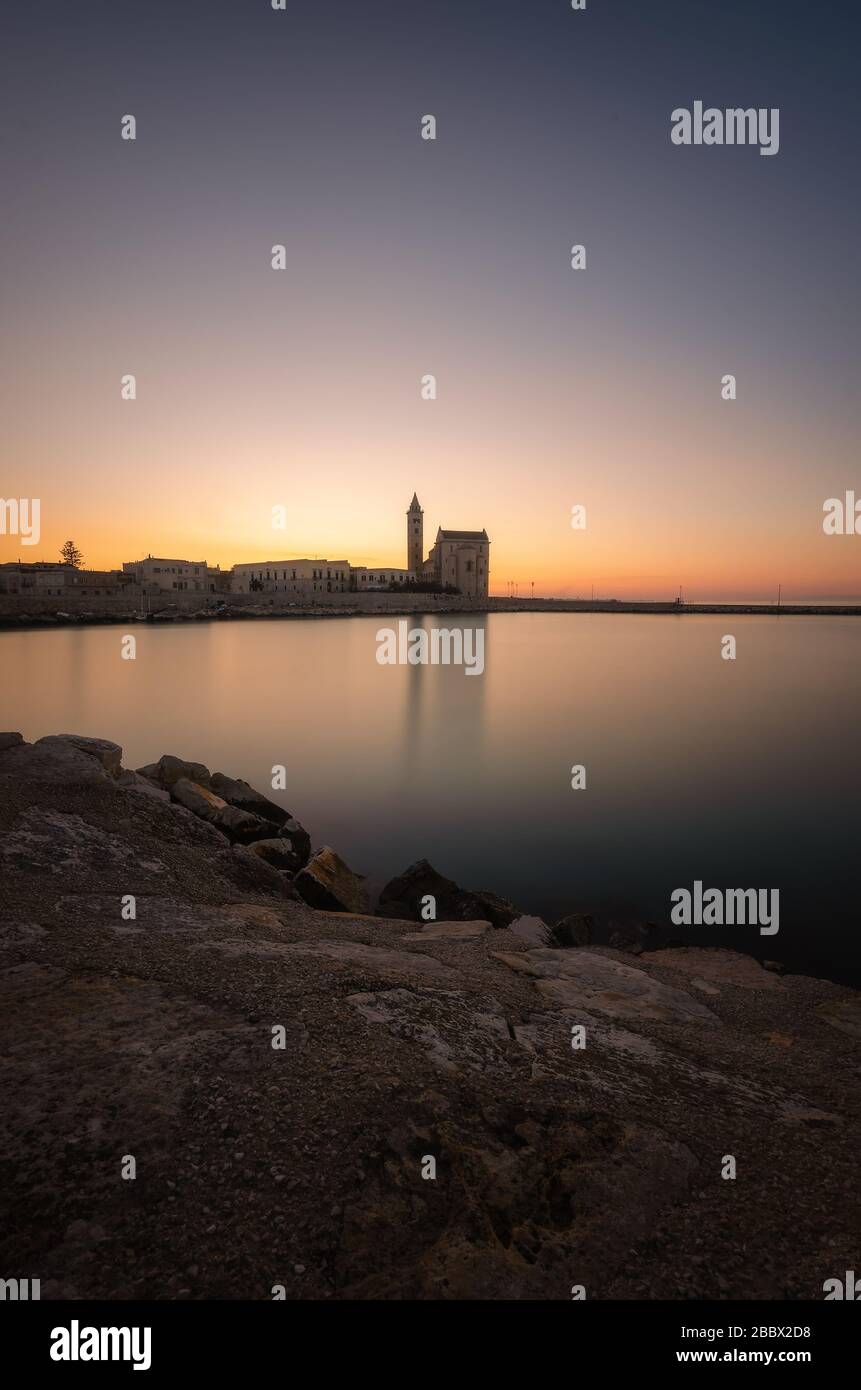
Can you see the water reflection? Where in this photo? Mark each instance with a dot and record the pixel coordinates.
(737, 773)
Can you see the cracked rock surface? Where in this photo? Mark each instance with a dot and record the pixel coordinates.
(301, 1163)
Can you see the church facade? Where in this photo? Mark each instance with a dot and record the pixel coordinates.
(461, 558)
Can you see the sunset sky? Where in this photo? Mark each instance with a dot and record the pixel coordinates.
(404, 257)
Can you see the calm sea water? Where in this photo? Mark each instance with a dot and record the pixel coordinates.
(740, 774)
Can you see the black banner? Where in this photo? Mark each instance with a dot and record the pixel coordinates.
(161, 1339)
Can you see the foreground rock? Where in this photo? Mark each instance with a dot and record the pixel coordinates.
(326, 882)
(107, 753)
(245, 798)
(279, 853)
(242, 814)
(586, 981)
(238, 826)
(301, 1163)
(577, 929)
(169, 770)
(404, 896)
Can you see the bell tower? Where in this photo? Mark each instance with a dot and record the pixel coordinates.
(415, 537)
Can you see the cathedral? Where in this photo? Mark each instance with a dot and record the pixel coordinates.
(461, 558)
(458, 558)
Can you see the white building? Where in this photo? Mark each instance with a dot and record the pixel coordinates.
(366, 577)
(157, 575)
(301, 577)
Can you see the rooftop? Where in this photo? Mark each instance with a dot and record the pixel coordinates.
(446, 535)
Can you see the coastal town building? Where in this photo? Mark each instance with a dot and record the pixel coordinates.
(292, 577)
(41, 578)
(460, 559)
(363, 577)
(157, 575)
(46, 579)
(218, 580)
(457, 559)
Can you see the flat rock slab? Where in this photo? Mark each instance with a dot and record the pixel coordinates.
(843, 1014)
(449, 1029)
(449, 931)
(51, 842)
(713, 968)
(583, 980)
(375, 959)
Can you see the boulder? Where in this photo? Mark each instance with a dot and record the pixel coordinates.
(300, 840)
(135, 782)
(481, 904)
(152, 772)
(327, 883)
(531, 929)
(245, 798)
(10, 740)
(169, 770)
(197, 798)
(402, 898)
(54, 760)
(634, 939)
(574, 930)
(242, 826)
(239, 826)
(251, 873)
(278, 852)
(110, 755)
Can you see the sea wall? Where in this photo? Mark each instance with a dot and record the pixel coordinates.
(22, 610)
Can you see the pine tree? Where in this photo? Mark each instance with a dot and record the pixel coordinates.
(71, 555)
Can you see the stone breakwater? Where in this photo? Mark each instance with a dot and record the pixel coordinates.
(282, 1064)
(29, 611)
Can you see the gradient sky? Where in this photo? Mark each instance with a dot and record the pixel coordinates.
(301, 388)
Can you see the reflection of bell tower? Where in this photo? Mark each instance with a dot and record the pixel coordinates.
(415, 537)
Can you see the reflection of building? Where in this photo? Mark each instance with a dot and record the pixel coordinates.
(292, 577)
(460, 558)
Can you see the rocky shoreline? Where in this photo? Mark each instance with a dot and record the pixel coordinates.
(186, 980)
